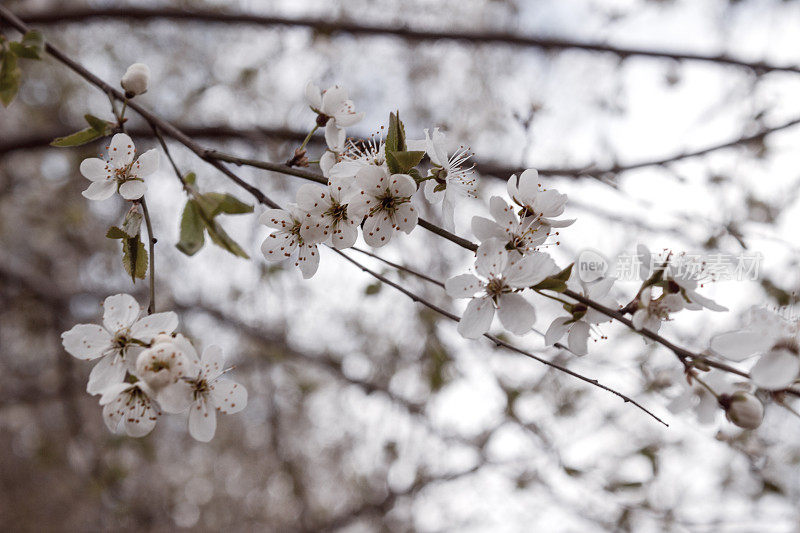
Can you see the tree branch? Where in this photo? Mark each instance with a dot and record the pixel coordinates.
(333, 28)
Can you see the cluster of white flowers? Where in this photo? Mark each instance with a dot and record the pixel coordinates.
(361, 191)
(144, 368)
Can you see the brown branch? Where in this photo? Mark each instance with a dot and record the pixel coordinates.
(488, 168)
(496, 340)
(332, 28)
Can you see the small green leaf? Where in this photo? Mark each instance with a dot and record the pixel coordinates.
(31, 46)
(134, 258)
(215, 203)
(78, 138)
(440, 187)
(192, 227)
(116, 233)
(405, 160)
(102, 126)
(396, 136)
(551, 284)
(565, 274)
(373, 288)
(190, 178)
(222, 239)
(392, 163)
(10, 76)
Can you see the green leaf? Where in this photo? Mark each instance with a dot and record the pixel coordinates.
(565, 274)
(440, 187)
(396, 136)
(78, 138)
(551, 284)
(220, 238)
(373, 288)
(192, 227)
(134, 258)
(10, 76)
(190, 178)
(103, 126)
(406, 160)
(116, 233)
(215, 203)
(392, 163)
(31, 46)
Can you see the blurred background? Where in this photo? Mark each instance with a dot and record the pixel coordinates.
(366, 411)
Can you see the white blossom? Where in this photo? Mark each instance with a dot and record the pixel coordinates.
(205, 393)
(136, 80)
(579, 323)
(677, 280)
(502, 275)
(544, 205)
(129, 408)
(328, 209)
(118, 341)
(449, 179)
(119, 172)
(774, 339)
(165, 362)
(523, 235)
(650, 311)
(357, 155)
(288, 243)
(332, 104)
(386, 202)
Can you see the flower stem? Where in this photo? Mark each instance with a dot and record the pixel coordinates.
(308, 137)
(706, 386)
(151, 307)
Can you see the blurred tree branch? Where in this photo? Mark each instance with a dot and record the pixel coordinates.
(327, 27)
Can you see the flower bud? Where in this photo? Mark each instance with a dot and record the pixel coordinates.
(744, 410)
(136, 80)
(161, 365)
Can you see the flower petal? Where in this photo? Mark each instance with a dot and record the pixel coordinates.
(202, 421)
(146, 164)
(308, 260)
(775, 369)
(175, 398)
(132, 189)
(530, 270)
(313, 96)
(100, 190)
(739, 345)
(485, 229)
(278, 246)
(463, 286)
(477, 318)
(406, 217)
(96, 169)
(213, 362)
(228, 396)
(335, 136)
(120, 312)
(121, 151)
(345, 234)
(516, 314)
(578, 336)
(503, 214)
(148, 327)
(110, 370)
(86, 341)
(557, 329)
(378, 229)
(276, 218)
(492, 258)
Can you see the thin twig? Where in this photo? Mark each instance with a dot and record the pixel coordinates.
(496, 340)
